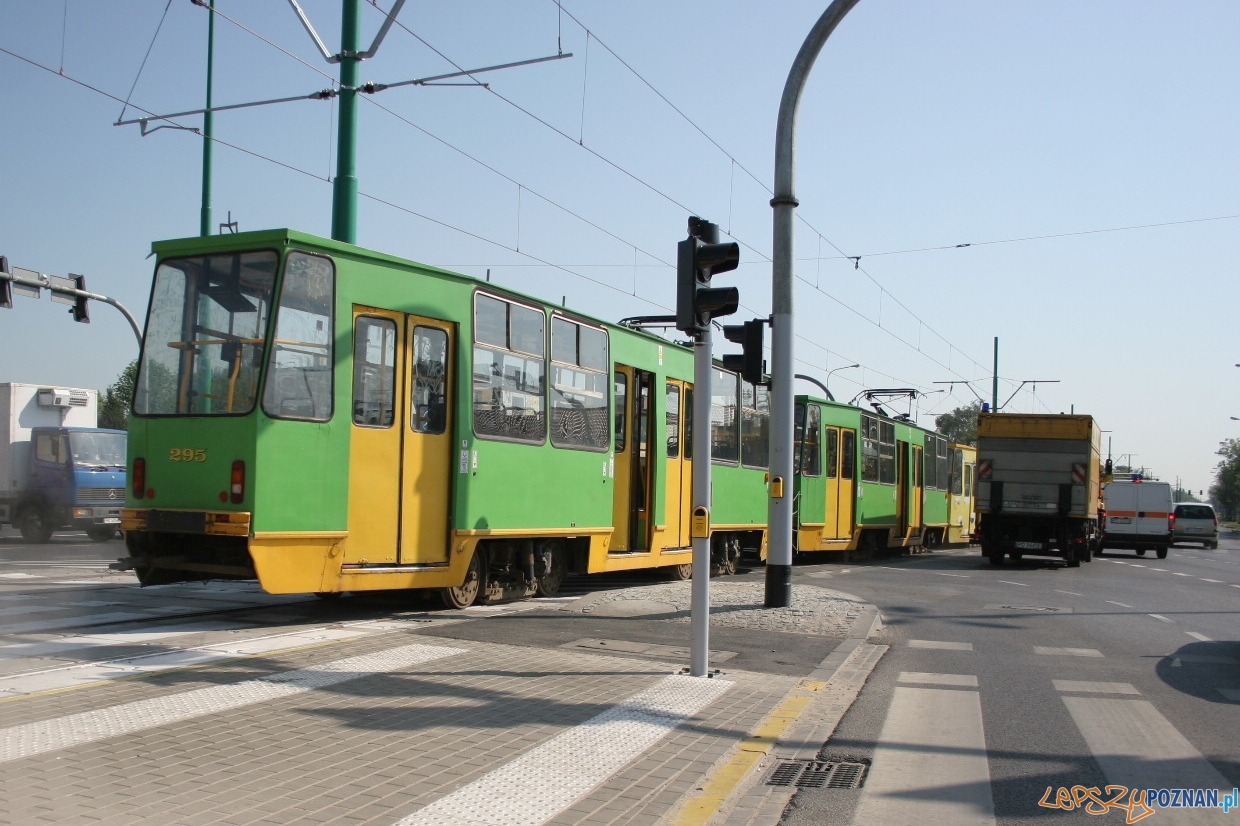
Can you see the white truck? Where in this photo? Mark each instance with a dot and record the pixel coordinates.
(1038, 484)
(57, 469)
(1138, 516)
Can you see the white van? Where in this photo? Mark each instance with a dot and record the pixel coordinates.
(1138, 517)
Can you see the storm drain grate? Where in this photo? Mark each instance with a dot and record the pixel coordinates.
(817, 774)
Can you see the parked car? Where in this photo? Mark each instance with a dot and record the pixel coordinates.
(1194, 522)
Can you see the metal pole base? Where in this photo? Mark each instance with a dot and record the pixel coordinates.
(778, 586)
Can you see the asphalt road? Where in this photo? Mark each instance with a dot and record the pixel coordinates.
(1161, 631)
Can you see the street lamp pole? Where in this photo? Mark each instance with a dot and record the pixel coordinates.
(827, 384)
(783, 400)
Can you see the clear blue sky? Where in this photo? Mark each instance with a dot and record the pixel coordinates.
(1086, 150)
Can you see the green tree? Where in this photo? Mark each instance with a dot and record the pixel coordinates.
(114, 402)
(1225, 492)
(960, 425)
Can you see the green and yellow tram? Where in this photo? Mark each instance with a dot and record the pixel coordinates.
(327, 419)
(866, 482)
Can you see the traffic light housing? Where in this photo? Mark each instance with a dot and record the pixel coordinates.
(6, 286)
(80, 311)
(698, 258)
(750, 363)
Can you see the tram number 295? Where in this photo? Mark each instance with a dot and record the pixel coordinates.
(187, 454)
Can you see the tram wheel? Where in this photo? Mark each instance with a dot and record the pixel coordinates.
(329, 596)
(681, 573)
(549, 583)
(464, 595)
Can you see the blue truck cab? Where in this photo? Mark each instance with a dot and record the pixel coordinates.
(58, 469)
(76, 481)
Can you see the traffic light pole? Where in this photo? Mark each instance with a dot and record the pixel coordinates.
(31, 282)
(779, 513)
(699, 647)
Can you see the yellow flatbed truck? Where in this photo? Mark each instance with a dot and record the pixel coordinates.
(1038, 486)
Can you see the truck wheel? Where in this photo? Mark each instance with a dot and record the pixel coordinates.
(1141, 552)
(1162, 553)
(35, 526)
(101, 534)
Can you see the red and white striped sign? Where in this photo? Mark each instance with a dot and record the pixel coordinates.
(1078, 473)
(983, 469)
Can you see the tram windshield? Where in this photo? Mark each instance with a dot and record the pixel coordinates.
(203, 350)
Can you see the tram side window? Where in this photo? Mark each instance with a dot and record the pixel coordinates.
(299, 373)
(622, 398)
(429, 408)
(509, 386)
(887, 453)
(687, 412)
(755, 425)
(374, 371)
(724, 431)
(957, 475)
(579, 403)
(941, 459)
(833, 453)
(848, 470)
(939, 472)
(673, 421)
(869, 448)
(808, 459)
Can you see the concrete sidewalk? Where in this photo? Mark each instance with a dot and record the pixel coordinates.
(497, 715)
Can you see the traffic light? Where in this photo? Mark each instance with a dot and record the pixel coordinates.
(6, 286)
(749, 364)
(80, 311)
(699, 257)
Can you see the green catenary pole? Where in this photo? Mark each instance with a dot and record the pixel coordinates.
(208, 127)
(344, 195)
(994, 387)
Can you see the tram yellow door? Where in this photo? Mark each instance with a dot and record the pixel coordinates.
(841, 482)
(400, 454)
(679, 468)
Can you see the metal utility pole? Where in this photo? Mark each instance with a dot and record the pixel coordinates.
(783, 400)
(994, 392)
(344, 188)
(208, 126)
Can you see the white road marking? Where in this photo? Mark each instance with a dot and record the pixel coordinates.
(1198, 636)
(1120, 604)
(1066, 652)
(30, 739)
(941, 645)
(1073, 593)
(1021, 584)
(1086, 687)
(549, 778)
(930, 678)
(119, 638)
(1161, 617)
(1137, 747)
(1215, 581)
(930, 765)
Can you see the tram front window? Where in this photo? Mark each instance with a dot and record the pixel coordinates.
(203, 349)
